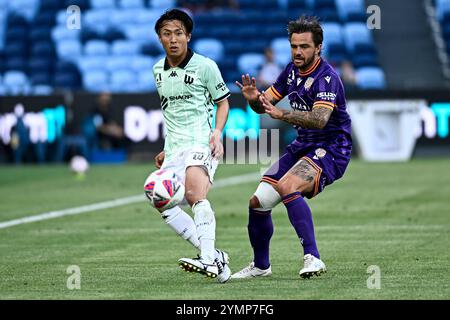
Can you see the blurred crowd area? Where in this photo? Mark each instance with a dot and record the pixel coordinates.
(110, 45)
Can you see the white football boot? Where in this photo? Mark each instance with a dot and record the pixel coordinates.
(251, 271)
(312, 266)
(211, 270)
(222, 261)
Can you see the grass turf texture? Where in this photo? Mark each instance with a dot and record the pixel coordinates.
(393, 215)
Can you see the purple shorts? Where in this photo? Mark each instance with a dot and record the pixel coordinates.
(329, 163)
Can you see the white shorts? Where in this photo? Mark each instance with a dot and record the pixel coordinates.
(196, 156)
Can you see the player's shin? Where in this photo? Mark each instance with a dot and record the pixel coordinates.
(260, 231)
(205, 222)
(301, 219)
(182, 223)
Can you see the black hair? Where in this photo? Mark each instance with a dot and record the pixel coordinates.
(175, 14)
(307, 24)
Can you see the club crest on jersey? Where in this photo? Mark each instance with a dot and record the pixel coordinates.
(320, 153)
(308, 83)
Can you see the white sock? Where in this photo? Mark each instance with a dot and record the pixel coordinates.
(206, 229)
(182, 223)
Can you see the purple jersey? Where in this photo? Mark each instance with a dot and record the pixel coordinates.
(318, 86)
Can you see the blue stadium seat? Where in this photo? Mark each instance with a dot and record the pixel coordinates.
(131, 4)
(117, 63)
(146, 81)
(42, 90)
(103, 4)
(95, 81)
(41, 78)
(349, 9)
(282, 50)
(16, 82)
(16, 63)
(66, 80)
(16, 33)
(43, 49)
(123, 17)
(123, 81)
(83, 4)
(370, 78)
(69, 50)
(142, 34)
(45, 19)
(38, 65)
(250, 63)
(98, 20)
(26, 8)
(354, 33)
(61, 17)
(96, 48)
(15, 49)
(148, 17)
(211, 48)
(163, 4)
(142, 63)
(50, 5)
(40, 34)
(125, 48)
(442, 6)
(60, 33)
(92, 63)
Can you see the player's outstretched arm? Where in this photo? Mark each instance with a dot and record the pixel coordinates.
(251, 93)
(316, 119)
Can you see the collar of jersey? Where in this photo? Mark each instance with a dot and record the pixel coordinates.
(183, 63)
(310, 70)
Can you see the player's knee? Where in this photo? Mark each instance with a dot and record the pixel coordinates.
(192, 197)
(254, 203)
(285, 187)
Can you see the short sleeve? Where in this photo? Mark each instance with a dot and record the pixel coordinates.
(326, 90)
(214, 82)
(279, 88)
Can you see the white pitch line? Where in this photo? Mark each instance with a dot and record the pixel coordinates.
(117, 202)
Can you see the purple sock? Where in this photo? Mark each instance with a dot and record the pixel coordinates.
(301, 219)
(260, 230)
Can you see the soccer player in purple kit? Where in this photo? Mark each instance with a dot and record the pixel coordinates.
(316, 158)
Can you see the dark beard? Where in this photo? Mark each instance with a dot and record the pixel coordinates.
(307, 64)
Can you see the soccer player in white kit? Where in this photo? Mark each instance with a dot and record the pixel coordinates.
(189, 85)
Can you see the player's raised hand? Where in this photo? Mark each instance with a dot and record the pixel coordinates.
(248, 87)
(159, 159)
(269, 108)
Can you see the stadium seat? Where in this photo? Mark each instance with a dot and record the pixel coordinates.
(16, 82)
(92, 63)
(95, 81)
(354, 33)
(37, 65)
(69, 50)
(50, 5)
(42, 49)
(211, 48)
(370, 78)
(282, 50)
(98, 20)
(42, 78)
(96, 48)
(124, 48)
(114, 63)
(123, 81)
(131, 4)
(61, 33)
(146, 81)
(40, 34)
(147, 17)
(41, 90)
(122, 17)
(142, 63)
(103, 4)
(348, 8)
(442, 6)
(83, 4)
(163, 4)
(16, 63)
(142, 34)
(250, 63)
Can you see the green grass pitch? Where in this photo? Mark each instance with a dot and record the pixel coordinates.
(395, 216)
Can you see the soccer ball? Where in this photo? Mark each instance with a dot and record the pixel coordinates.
(164, 189)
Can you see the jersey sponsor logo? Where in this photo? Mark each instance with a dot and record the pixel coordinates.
(188, 79)
(297, 102)
(327, 79)
(308, 83)
(221, 86)
(173, 74)
(329, 96)
(181, 97)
